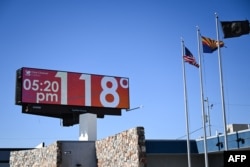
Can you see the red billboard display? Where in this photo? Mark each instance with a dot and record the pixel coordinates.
(40, 86)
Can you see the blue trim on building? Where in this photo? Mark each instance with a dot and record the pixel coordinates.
(236, 140)
(5, 153)
(170, 146)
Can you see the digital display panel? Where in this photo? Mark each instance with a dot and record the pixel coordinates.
(39, 86)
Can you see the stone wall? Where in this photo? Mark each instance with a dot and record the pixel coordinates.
(47, 157)
(126, 149)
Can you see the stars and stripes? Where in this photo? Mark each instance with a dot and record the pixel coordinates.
(189, 58)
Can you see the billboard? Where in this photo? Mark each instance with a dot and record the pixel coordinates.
(66, 95)
(39, 86)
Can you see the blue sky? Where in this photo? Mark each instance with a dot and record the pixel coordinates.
(138, 39)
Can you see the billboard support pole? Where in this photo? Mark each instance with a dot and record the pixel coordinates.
(87, 127)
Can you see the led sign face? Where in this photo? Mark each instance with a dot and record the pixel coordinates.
(39, 86)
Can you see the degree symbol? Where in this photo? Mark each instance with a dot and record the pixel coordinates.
(124, 82)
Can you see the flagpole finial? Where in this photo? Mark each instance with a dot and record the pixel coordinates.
(182, 40)
(216, 14)
(198, 28)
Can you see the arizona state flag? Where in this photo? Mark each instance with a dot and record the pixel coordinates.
(235, 28)
(210, 45)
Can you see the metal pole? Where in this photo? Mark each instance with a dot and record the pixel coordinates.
(208, 115)
(209, 120)
(186, 106)
(202, 100)
(221, 86)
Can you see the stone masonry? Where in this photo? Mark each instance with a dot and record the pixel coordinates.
(46, 157)
(126, 149)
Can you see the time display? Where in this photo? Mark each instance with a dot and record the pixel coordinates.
(68, 88)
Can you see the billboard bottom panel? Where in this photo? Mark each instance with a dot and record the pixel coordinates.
(69, 114)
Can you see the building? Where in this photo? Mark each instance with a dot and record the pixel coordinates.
(172, 153)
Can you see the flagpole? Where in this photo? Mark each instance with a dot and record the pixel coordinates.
(186, 105)
(202, 100)
(221, 85)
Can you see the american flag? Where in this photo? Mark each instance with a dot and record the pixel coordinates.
(189, 58)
